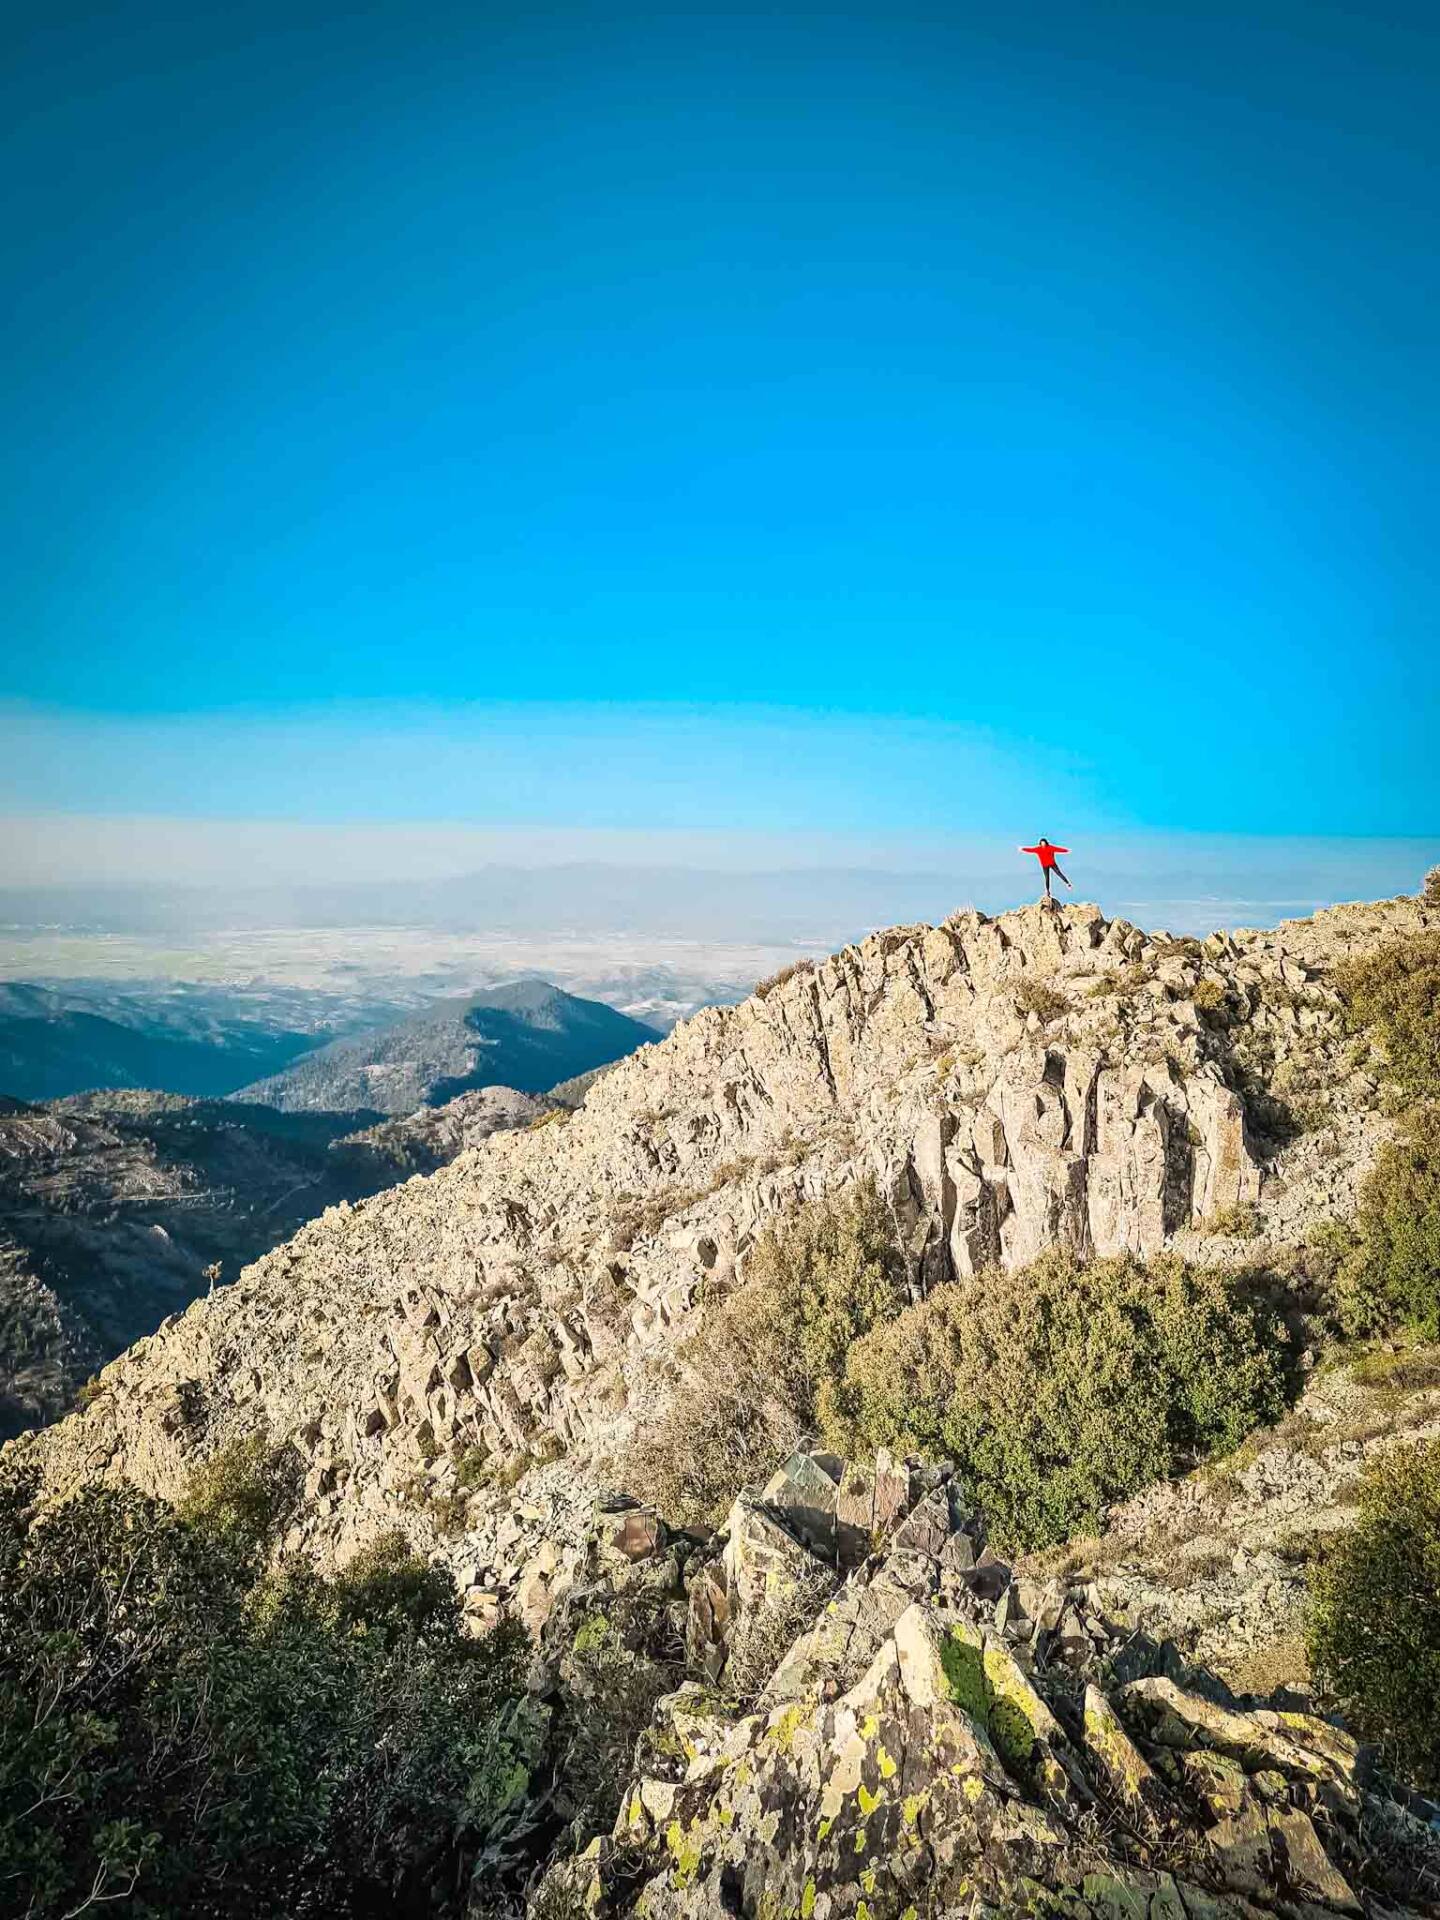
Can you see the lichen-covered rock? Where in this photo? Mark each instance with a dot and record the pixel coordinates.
(910, 1759)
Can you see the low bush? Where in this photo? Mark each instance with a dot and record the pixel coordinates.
(1375, 1613)
(635, 1217)
(1209, 996)
(1387, 1274)
(183, 1735)
(1042, 999)
(767, 986)
(1060, 1388)
(755, 1373)
(1238, 1222)
(765, 1633)
(1384, 1270)
(242, 1494)
(1394, 993)
(1430, 892)
(618, 1665)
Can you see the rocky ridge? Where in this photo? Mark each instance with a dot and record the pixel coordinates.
(1010, 1083)
(117, 1207)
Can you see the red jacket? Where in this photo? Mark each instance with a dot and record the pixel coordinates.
(1046, 854)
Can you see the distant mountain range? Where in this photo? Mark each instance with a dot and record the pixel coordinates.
(53, 1044)
(528, 1035)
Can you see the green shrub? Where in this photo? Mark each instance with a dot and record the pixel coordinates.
(184, 1737)
(1042, 999)
(815, 1283)
(1430, 893)
(754, 1373)
(618, 1665)
(242, 1493)
(1210, 998)
(1238, 1222)
(1389, 1273)
(1061, 1388)
(1394, 992)
(1385, 1270)
(1375, 1613)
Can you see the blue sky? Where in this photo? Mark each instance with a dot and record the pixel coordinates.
(993, 420)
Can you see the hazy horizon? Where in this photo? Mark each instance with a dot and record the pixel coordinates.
(383, 918)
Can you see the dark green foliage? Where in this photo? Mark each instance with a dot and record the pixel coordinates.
(242, 1493)
(1386, 1270)
(1394, 992)
(617, 1665)
(816, 1283)
(1375, 1614)
(1061, 1388)
(187, 1738)
(1388, 1274)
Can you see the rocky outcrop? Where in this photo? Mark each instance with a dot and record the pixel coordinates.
(1011, 1083)
(945, 1738)
(431, 1137)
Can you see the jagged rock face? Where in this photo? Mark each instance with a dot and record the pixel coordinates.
(1044, 1077)
(945, 1739)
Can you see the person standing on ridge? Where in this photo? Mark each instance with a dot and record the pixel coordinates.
(1045, 854)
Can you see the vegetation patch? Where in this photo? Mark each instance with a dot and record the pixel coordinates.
(1385, 1270)
(1387, 1273)
(184, 1731)
(796, 968)
(1061, 1388)
(757, 1373)
(615, 1669)
(1042, 999)
(1375, 1614)
(1393, 992)
(633, 1217)
(1240, 1222)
